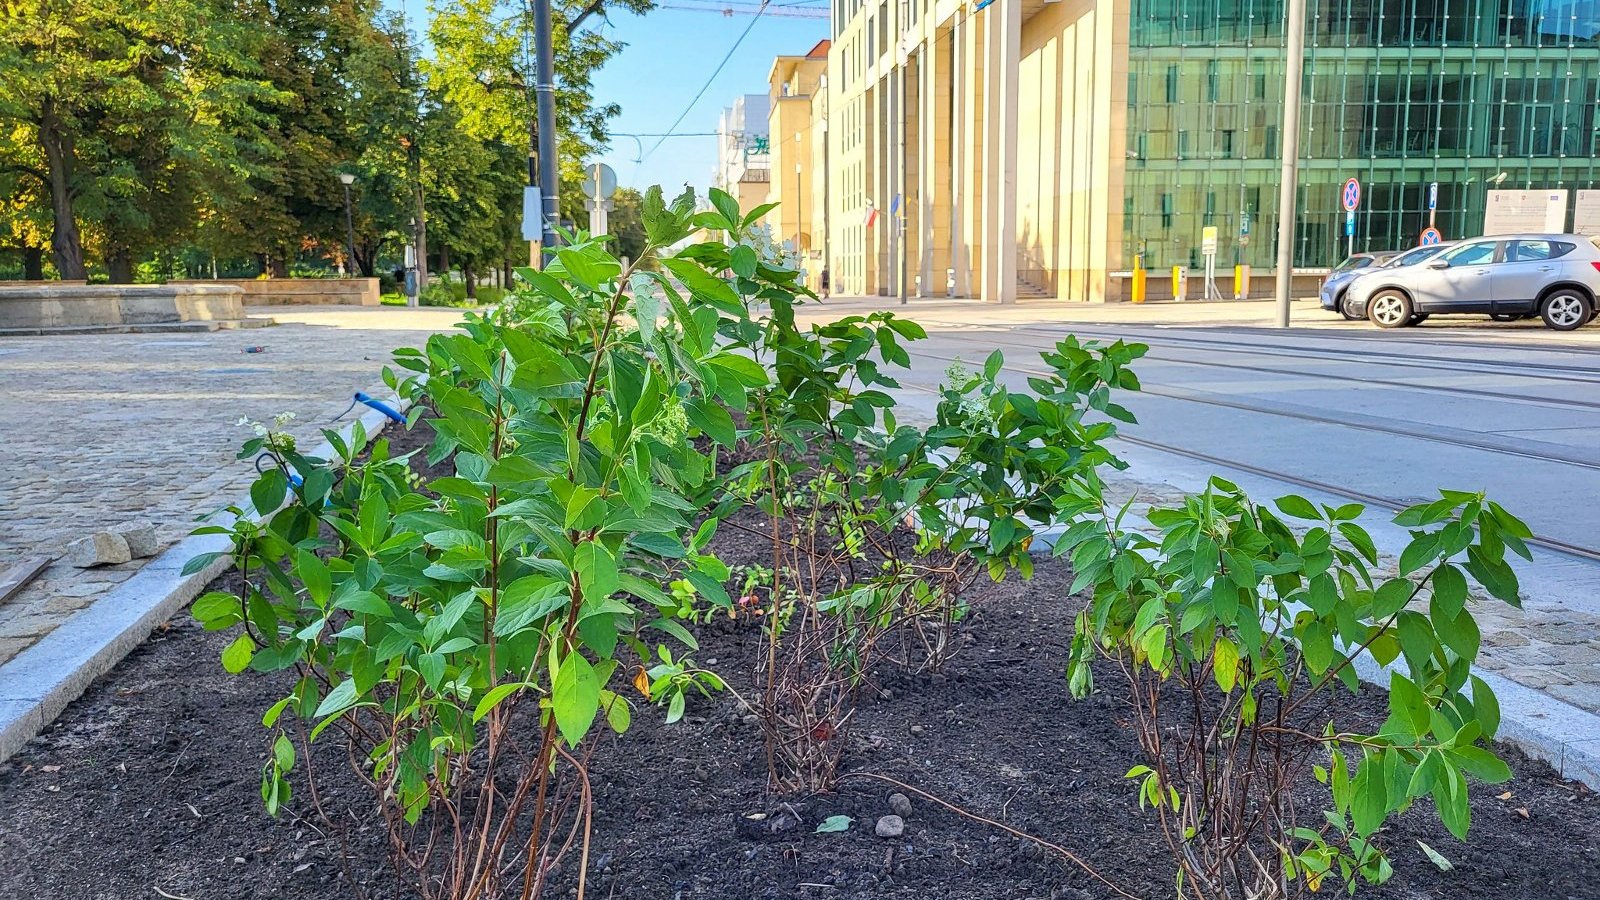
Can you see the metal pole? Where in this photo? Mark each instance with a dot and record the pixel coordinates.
(350, 230)
(1296, 60)
(899, 97)
(544, 88)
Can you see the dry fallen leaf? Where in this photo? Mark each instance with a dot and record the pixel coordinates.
(195, 811)
(1506, 796)
(1523, 812)
(49, 768)
(54, 788)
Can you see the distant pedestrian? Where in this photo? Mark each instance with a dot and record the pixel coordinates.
(823, 293)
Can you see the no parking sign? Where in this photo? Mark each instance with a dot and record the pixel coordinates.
(1430, 236)
(1351, 195)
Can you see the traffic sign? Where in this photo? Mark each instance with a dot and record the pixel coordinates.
(1208, 240)
(1351, 195)
(599, 181)
(1350, 223)
(1430, 236)
(1244, 224)
(1433, 196)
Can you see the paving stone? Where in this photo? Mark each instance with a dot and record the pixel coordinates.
(99, 549)
(1583, 696)
(1537, 677)
(1564, 632)
(1505, 639)
(141, 537)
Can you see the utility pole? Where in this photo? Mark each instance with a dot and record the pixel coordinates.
(1287, 189)
(544, 90)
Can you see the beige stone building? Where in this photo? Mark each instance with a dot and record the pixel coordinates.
(798, 130)
(974, 147)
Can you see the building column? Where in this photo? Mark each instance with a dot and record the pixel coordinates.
(1004, 45)
(962, 131)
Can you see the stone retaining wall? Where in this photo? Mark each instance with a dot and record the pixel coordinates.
(55, 304)
(298, 291)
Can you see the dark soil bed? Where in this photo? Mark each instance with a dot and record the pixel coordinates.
(149, 786)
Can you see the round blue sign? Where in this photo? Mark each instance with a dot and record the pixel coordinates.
(1430, 236)
(1352, 194)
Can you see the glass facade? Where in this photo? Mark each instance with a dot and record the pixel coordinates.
(1397, 93)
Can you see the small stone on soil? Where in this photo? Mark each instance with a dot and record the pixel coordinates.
(917, 729)
(890, 827)
(900, 805)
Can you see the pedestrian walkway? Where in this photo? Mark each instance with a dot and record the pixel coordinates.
(101, 430)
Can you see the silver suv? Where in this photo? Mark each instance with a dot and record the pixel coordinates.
(1335, 291)
(1554, 276)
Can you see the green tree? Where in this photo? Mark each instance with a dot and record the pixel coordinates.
(72, 72)
(484, 65)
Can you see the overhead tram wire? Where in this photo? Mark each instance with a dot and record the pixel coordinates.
(756, 17)
(728, 10)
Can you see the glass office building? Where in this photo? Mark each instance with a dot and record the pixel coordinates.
(1472, 94)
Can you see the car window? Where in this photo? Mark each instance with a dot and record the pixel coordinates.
(1532, 251)
(1470, 254)
(1354, 262)
(1528, 251)
(1411, 257)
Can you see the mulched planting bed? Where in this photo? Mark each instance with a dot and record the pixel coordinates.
(149, 786)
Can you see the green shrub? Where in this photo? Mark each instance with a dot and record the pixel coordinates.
(459, 639)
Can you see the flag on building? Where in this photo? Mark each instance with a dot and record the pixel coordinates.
(872, 216)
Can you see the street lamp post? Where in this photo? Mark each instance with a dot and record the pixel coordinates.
(1287, 188)
(347, 179)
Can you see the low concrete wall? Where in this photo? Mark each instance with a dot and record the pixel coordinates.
(55, 304)
(302, 291)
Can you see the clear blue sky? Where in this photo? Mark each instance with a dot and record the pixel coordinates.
(669, 55)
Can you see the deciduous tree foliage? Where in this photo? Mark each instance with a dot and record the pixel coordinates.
(130, 128)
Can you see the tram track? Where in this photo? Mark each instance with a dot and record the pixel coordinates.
(1392, 503)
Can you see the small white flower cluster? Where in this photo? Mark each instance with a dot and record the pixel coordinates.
(767, 247)
(275, 436)
(973, 407)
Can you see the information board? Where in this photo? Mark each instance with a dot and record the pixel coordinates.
(1509, 212)
(1586, 213)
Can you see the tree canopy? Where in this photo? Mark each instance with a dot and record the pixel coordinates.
(131, 130)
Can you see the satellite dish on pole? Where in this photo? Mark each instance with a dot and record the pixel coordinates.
(599, 181)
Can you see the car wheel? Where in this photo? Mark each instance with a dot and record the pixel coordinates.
(1566, 310)
(1346, 310)
(1505, 317)
(1389, 309)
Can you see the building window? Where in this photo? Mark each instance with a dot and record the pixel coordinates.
(1227, 143)
(1166, 210)
(1172, 84)
(1211, 81)
(1183, 144)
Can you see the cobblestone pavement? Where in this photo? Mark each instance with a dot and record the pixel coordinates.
(96, 430)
